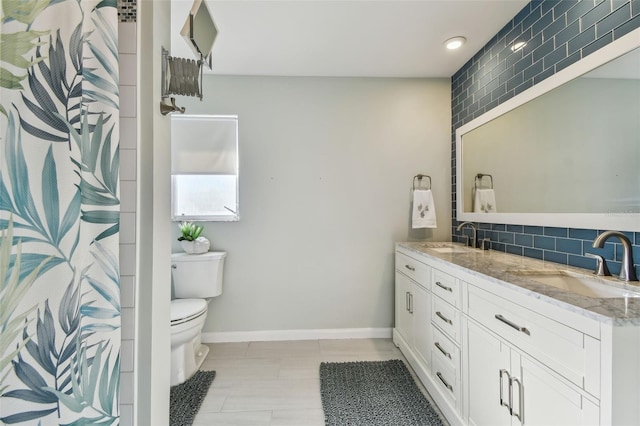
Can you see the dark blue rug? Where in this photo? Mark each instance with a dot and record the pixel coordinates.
(373, 393)
(186, 398)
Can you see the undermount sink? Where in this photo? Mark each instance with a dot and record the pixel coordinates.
(449, 250)
(584, 285)
(446, 248)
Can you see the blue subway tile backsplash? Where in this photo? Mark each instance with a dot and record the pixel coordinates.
(596, 14)
(557, 33)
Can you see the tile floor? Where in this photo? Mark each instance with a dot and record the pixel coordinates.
(277, 383)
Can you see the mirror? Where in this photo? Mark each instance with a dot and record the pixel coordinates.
(200, 31)
(564, 153)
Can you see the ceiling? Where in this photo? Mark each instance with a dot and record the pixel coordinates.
(342, 38)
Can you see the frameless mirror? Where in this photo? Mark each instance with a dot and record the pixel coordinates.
(200, 31)
(564, 153)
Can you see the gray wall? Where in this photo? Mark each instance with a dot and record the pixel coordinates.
(326, 166)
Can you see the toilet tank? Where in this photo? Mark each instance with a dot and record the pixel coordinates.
(197, 276)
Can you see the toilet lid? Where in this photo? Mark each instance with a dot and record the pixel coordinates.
(182, 309)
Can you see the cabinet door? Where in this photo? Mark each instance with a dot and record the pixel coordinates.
(422, 339)
(487, 356)
(403, 316)
(550, 401)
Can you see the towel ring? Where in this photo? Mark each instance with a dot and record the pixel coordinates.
(477, 183)
(419, 178)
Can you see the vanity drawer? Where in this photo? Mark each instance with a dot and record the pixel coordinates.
(447, 379)
(446, 287)
(569, 352)
(444, 349)
(447, 318)
(417, 271)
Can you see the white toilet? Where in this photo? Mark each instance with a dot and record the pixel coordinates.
(196, 279)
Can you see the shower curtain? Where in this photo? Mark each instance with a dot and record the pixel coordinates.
(59, 212)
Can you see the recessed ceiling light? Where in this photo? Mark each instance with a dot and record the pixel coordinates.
(518, 45)
(454, 42)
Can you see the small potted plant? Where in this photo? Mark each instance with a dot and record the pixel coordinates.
(191, 240)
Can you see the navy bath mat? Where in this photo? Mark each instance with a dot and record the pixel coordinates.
(373, 393)
(186, 398)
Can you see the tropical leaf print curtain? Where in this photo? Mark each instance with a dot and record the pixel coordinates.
(59, 212)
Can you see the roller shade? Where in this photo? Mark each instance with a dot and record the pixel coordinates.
(204, 144)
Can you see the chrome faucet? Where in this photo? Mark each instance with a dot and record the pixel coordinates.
(473, 241)
(627, 271)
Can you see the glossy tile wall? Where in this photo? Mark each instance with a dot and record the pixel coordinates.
(128, 173)
(557, 33)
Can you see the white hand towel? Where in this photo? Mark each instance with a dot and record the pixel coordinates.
(477, 208)
(485, 201)
(423, 214)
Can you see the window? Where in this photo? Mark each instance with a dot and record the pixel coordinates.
(204, 167)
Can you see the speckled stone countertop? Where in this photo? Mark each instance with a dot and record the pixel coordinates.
(511, 271)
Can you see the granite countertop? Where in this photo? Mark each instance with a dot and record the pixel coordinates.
(511, 271)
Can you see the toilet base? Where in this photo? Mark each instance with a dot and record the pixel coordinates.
(186, 360)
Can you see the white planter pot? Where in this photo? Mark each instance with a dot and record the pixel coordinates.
(198, 246)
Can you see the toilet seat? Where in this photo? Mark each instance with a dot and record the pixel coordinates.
(185, 310)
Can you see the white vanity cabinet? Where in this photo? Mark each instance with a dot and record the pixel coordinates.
(427, 327)
(496, 353)
(413, 307)
(506, 387)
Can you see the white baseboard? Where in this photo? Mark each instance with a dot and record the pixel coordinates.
(316, 334)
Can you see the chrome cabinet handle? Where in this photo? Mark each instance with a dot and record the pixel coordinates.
(444, 382)
(410, 303)
(511, 395)
(445, 353)
(502, 403)
(439, 284)
(520, 415)
(443, 318)
(512, 324)
(409, 267)
(406, 301)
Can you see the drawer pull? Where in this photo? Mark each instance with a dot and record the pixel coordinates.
(409, 267)
(445, 353)
(444, 382)
(406, 301)
(512, 324)
(439, 284)
(443, 318)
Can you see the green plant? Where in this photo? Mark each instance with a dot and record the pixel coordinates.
(190, 231)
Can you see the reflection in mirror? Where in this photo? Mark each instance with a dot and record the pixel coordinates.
(572, 151)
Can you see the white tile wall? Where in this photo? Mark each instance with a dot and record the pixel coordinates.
(127, 227)
(128, 159)
(127, 101)
(127, 319)
(127, 195)
(128, 69)
(128, 129)
(127, 259)
(126, 388)
(126, 355)
(128, 175)
(127, 291)
(127, 37)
